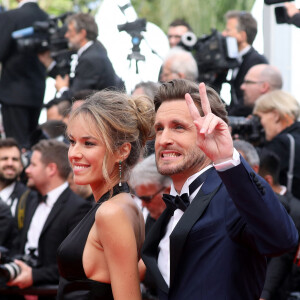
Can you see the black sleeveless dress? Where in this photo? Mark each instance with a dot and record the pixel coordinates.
(73, 283)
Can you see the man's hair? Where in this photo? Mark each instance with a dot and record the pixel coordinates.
(9, 143)
(270, 165)
(146, 173)
(251, 155)
(149, 88)
(53, 151)
(280, 101)
(246, 23)
(181, 22)
(273, 76)
(183, 61)
(176, 90)
(84, 21)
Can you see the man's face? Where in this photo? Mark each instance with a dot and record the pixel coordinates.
(232, 30)
(10, 164)
(153, 198)
(252, 87)
(167, 73)
(74, 37)
(36, 172)
(175, 33)
(177, 154)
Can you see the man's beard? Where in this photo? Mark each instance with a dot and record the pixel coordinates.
(194, 159)
(7, 181)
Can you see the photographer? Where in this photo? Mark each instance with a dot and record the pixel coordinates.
(242, 26)
(278, 112)
(22, 81)
(93, 69)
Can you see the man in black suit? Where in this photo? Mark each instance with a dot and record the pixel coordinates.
(221, 219)
(92, 69)
(50, 217)
(242, 26)
(22, 81)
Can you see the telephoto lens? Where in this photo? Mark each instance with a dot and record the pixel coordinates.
(9, 271)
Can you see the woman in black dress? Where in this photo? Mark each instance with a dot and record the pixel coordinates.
(99, 259)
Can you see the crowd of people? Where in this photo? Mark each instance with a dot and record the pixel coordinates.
(145, 194)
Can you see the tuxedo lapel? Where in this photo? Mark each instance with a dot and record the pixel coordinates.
(150, 248)
(189, 218)
(55, 210)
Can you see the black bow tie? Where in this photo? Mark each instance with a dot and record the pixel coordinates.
(182, 202)
(175, 202)
(41, 198)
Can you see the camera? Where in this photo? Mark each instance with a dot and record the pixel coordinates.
(9, 270)
(214, 53)
(249, 129)
(134, 29)
(47, 35)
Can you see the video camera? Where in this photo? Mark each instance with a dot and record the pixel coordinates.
(9, 270)
(47, 35)
(248, 129)
(213, 53)
(134, 29)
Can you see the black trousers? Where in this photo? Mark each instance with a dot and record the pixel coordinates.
(19, 122)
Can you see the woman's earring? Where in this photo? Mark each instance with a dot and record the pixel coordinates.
(120, 172)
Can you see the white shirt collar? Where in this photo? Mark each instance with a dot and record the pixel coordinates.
(84, 47)
(185, 187)
(7, 191)
(26, 1)
(53, 195)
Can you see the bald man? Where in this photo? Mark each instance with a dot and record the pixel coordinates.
(259, 80)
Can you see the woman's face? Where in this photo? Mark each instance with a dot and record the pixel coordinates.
(86, 154)
(270, 123)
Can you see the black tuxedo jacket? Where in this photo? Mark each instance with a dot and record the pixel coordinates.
(93, 71)
(23, 76)
(251, 58)
(218, 248)
(8, 228)
(68, 210)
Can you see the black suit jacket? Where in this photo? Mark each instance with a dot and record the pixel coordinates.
(23, 76)
(251, 58)
(68, 210)
(93, 71)
(8, 228)
(218, 247)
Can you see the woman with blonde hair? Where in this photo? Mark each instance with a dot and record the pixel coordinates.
(279, 112)
(99, 259)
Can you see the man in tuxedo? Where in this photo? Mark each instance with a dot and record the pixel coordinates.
(22, 80)
(221, 219)
(242, 26)
(13, 192)
(50, 217)
(92, 68)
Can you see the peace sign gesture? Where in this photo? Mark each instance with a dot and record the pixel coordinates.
(213, 135)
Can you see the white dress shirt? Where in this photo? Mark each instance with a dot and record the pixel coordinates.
(5, 195)
(40, 216)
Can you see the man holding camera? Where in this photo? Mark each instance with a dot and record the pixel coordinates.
(22, 80)
(92, 68)
(242, 26)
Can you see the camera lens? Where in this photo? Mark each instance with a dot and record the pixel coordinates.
(9, 271)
